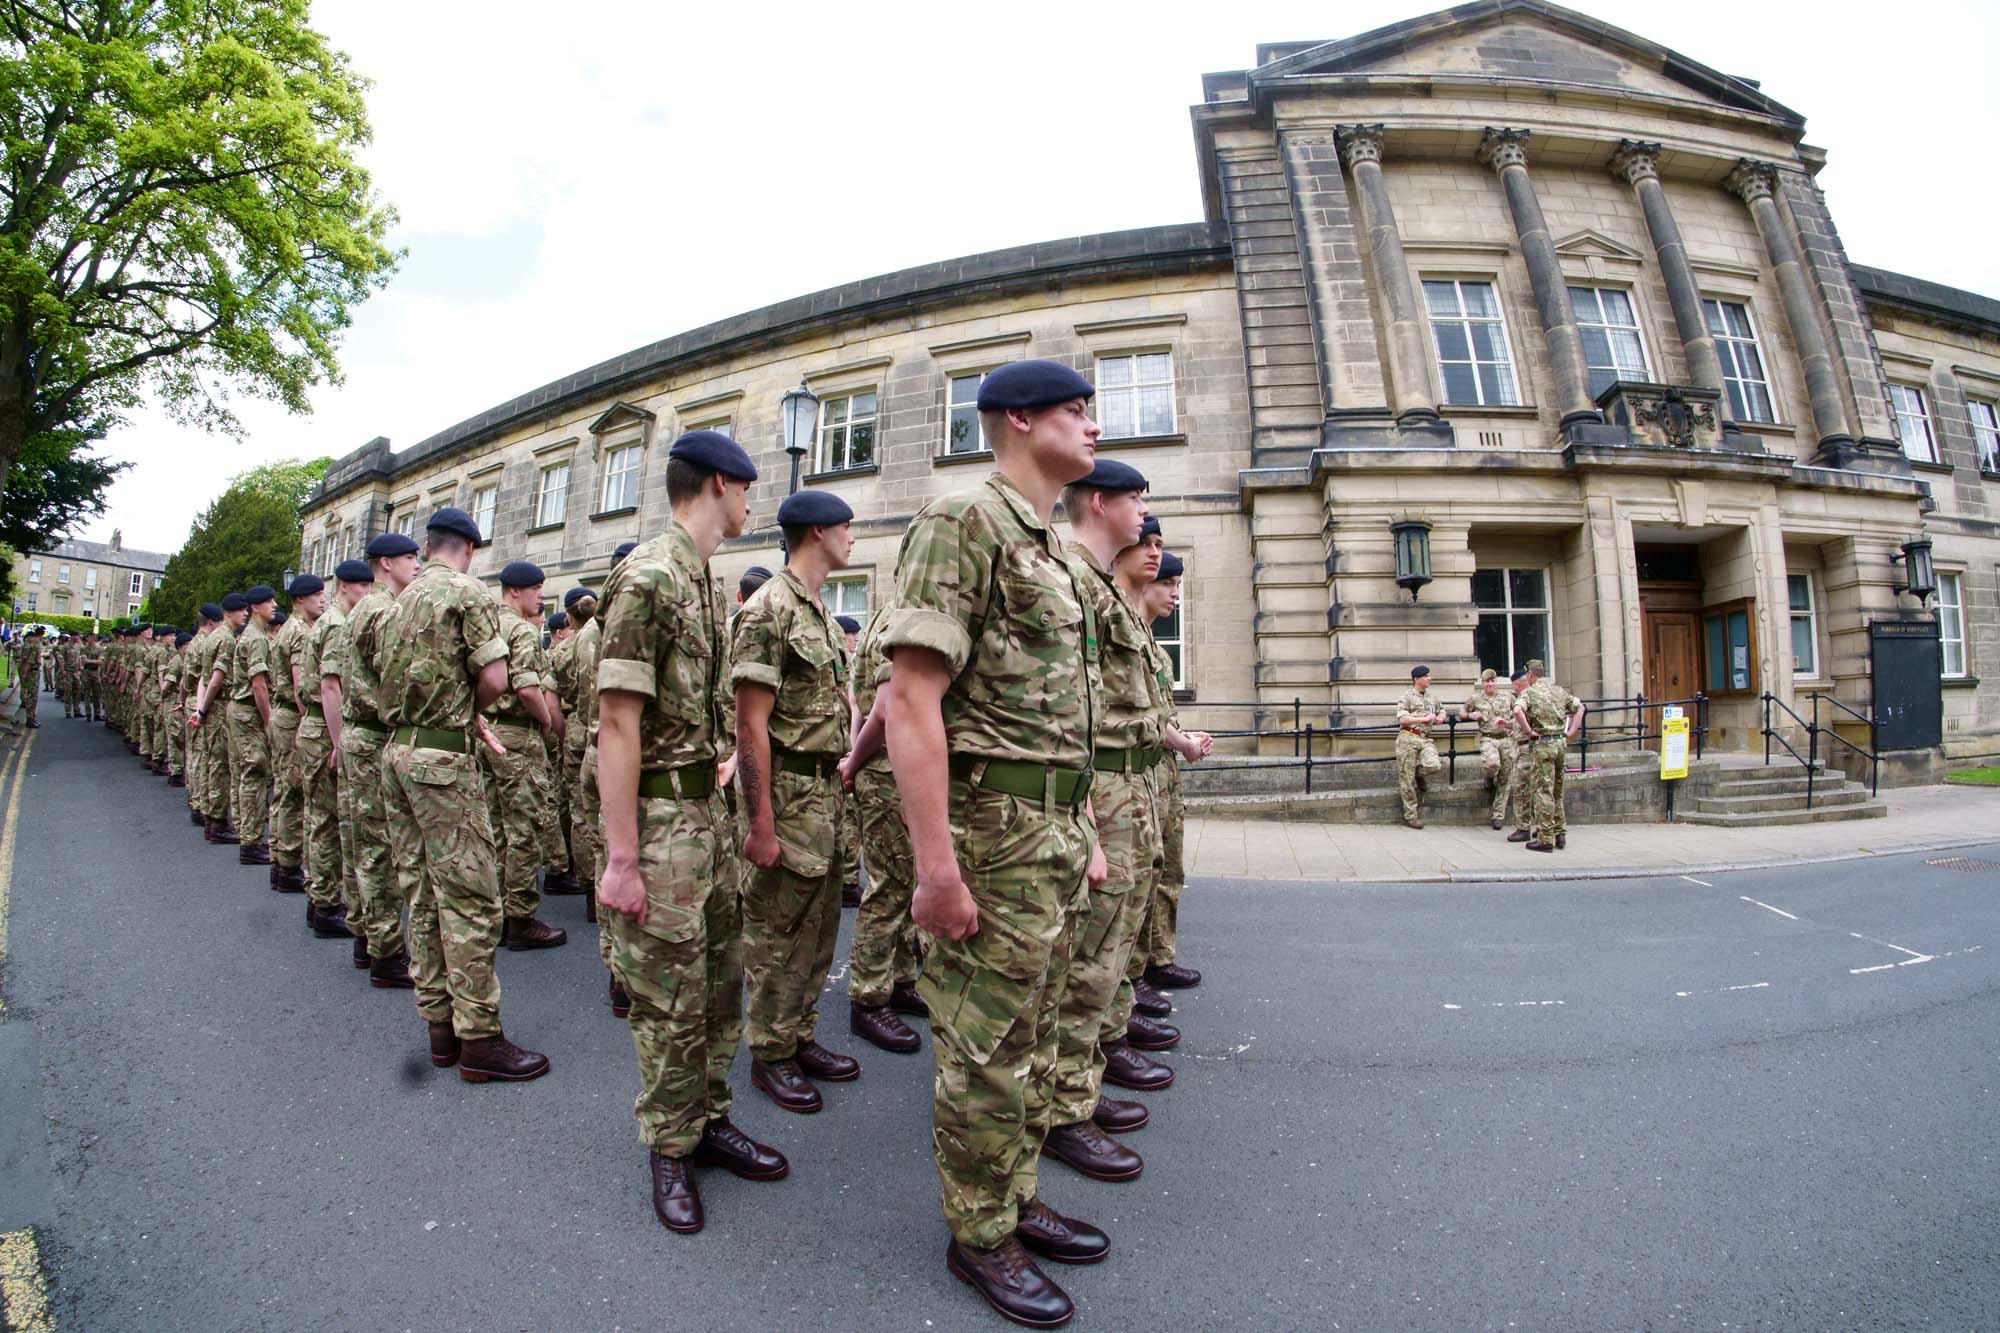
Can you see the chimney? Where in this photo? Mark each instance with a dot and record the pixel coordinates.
(117, 539)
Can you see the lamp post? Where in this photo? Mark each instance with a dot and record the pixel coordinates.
(1413, 553)
(800, 412)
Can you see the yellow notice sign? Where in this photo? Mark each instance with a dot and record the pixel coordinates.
(1673, 748)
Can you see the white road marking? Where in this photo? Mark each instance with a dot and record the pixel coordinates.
(1910, 962)
(1767, 907)
(1692, 880)
(1723, 990)
(1920, 957)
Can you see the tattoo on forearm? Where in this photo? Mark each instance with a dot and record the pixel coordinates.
(753, 782)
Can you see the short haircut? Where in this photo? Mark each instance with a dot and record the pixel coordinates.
(685, 480)
(796, 534)
(444, 539)
(746, 587)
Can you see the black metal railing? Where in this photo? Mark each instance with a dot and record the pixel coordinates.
(1814, 729)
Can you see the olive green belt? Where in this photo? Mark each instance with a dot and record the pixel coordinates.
(1017, 777)
(810, 765)
(316, 710)
(430, 738)
(368, 725)
(695, 782)
(515, 720)
(1126, 761)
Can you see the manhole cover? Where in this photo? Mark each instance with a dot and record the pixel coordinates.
(1971, 863)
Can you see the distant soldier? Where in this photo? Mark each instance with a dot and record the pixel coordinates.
(1515, 794)
(567, 756)
(990, 728)
(1548, 716)
(211, 716)
(288, 792)
(1492, 708)
(789, 667)
(667, 896)
(28, 654)
(518, 789)
(250, 703)
(441, 660)
(850, 819)
(1416, 754)
(179, 767)
(312, 759)
(1156, 959)
(48, 671)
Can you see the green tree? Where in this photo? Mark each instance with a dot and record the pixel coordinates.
(248, 535)
(182, 212)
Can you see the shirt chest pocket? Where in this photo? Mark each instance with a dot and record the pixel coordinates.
(811, 684)
(1041, 662)
(686, 672)
(1128, 669)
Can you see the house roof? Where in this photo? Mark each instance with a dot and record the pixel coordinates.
(103, 553)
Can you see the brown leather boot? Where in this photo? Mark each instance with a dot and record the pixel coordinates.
(1063, 1239)
(1146, 999)
(1150, 1034)
(1519, 835)
(361, 959)
(218, 831)
(724, 1145)
(903, 998)
(1172, 976)
(1009, 1281)
(1119, 1117)
(560, 883)
(879, 1025)
(1127, 1068)
(676, 1197)
(253, 853)
(488, 1058)
(329, 923)
(445, 1046)
(1088, 1149)
(526, 932)
(816, 1061)
(391, 972)
(621, 1003)
(783, 1083)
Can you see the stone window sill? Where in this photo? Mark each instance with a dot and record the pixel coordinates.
(841, 474)
(1763, 428)
(1492, 410)
(1938, 469)
(1959, 682)
(950, 460)
(1139, 441)
(546, 527)
(612, 513)
(1183, 695)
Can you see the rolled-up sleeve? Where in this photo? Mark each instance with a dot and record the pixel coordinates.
(939, 594)
(633, 636)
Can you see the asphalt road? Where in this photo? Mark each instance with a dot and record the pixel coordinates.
(1628, 1103)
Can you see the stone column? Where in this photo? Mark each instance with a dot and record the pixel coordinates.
(1753, 182)
(1411, 394)
(1638, 165)
(1506, 151)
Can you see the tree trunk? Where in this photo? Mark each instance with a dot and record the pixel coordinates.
(13, 430)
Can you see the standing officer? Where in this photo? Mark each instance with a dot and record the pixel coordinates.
(1159, 945)
(288, 796)
(789, 667)
(1517, 790)
(28, 674)
(590, 849)
(850, 816)
(667, 897)
(990, 723)
(1493, 709)
(568, 757)
(218, 671)
(314, 757)
(208, 622)
(441, 660)
(517, 781)
(1548, 716)
(180, 763)
(1416, 756)
(882, 961)
(250, 699)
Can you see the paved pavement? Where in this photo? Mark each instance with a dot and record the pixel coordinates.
(1919, 819)
(1765, 1097)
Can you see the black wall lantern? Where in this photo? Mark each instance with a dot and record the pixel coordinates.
(1413, 553)
(1919, 574)
(799, 411)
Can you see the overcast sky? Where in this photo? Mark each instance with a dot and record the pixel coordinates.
(578, 180)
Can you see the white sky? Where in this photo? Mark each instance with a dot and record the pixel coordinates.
(576, 181)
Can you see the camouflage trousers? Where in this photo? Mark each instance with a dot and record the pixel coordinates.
(587, 826)
(443, 846)
(1497, 758)
(89, 695)
(993, 999)
(1160, 935)
(518, 799)
(288, 796)
(250, 773)
(72, 693)
(145, 720)
(850, 843)
(791, 916)
(319, 791)
(1097, 993)
(173, 739)
(375, 898)
(1545, 787)
(554, 843)
(884, 951)
(1416, 758)
(31, 699)
(683, 969)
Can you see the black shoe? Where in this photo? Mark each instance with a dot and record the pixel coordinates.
(1150, 1034)
(330, 924)
(850, 895)
(676, 1197)
(1088, 1149)
(1562, 839)
(1519, 835)
(879, 1025)
(726, 1146)
(560, 883)
(621, 1003)
(903, 998)
(361, 959)
(1146, 999)
(1127, 1068)
(392, 973)
(1539, 846)
(445, 1046)
(1119, 1117)
(816, 1061)
(1172, 976)
(1062, 1239)
(1009, 1281)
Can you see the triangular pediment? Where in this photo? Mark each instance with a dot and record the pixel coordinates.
(1523, 42)
(1597, 245)
(619, 414)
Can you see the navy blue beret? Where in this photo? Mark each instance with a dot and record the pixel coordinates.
(715, 451)
(391, 543)
(262, 592)
(455, 520)
(233, 601)
(182, 639)
(1418, 672)
(621, 550)
(1025, 384)
(757, 572)
(1171, 567)
(522, 574)
(354, 571)
(1112, 475)
(279, 618)
(1149, 528)
(305, 585)
(210, 611)
(813, 509)
(575, 595)
(848, 624)
(557, 620)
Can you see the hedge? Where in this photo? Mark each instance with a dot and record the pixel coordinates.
(71, 624)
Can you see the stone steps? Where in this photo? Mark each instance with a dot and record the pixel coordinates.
(1826, 795)
(1819, 814)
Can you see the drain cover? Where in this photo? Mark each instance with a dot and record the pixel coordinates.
(1970, 863)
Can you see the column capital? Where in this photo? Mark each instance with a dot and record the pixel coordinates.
(1751, 181)
(1502, 148)
(1360, 143)
(1635, 161)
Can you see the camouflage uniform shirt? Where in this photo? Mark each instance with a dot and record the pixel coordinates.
(252, 659)
(1135, 709)
(1548, 706)
(660, 635)
(349, 654)
(1494, 710)
(784, 640)
(447, 628)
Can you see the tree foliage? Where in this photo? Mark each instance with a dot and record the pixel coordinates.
(182, 213)
(248, 535)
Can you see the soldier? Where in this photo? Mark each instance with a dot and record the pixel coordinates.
(1416, 755)
(350, 697)
(288, 792)
(218, 669)
(440, 661)
(667, 896)
(192, 737)
(990, 722)
(1493, 709)
(1517, 790)
(588, 821)
(93, 672)
(517, 778)
(71, 678)
(47, 675)
(250, 700)
(178, 767)
(882, 960)
(145, 697)
(1548, 715)
(850, 815)
(792, 716)
(753, 578)
(559, 878)
(28, 673)
(312, 759)
(1158, 945)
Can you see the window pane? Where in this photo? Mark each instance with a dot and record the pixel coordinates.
(1799, 588)
(1113, 371)
(836, 449)
(1617, 306)
(1441, 298)
(864, 404)
(1489, 587)
(1716, 659)
(1452, 344)
(1489, 643)
(835, 412)
(1479, 299)
(1712, 312)
(1488, 343)
(1531, 638)
(1583, 305)
(1626, 352)
(1460, 385)
(1596, 346)
(1739, 319)
(965, 388)
(1156, 410)
(963, 434)
(1524, 586)
(861, 446)
(1155, 367)
(1802, 645)
(1114, 414)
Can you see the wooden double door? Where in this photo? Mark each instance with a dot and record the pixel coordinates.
(1670, 617)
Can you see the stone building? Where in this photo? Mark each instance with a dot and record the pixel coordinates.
(79, 578)
(1552, 306)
